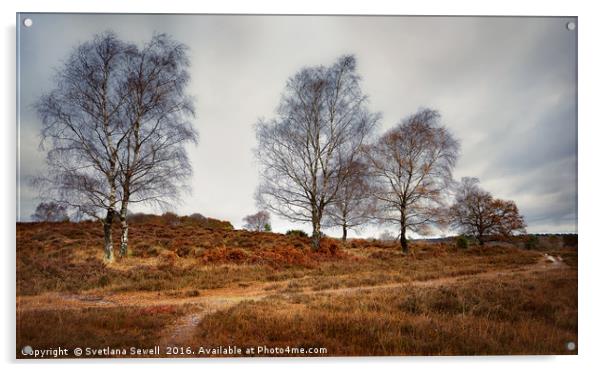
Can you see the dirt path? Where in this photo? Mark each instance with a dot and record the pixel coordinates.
(542, 265)
(216, 297)
(180, 333)
(211, 301)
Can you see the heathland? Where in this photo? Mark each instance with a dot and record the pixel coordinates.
(191, 284)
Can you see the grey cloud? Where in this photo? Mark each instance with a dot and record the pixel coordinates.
(505, 86)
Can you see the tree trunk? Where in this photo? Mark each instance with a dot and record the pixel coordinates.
(403, 241)
(123, 248)
(108, 235)
(315, 236)
(481, 239)
(344, 233)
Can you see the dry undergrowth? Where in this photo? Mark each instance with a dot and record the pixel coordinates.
(188, 283)
(512, 314)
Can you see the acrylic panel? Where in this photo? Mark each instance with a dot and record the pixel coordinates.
(195, 185)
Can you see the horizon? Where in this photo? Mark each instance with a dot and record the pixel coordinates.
(332, 236)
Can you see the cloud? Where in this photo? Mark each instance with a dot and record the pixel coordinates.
(506, 87)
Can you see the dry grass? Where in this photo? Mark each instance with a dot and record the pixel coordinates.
(481, 300)
(121, 327)
(68, 257)
(509, 315)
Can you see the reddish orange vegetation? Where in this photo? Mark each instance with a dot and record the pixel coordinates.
(362, 297)
(163, 309)
(209, 245)
(274, 250)
(505, 314)
(67, 256)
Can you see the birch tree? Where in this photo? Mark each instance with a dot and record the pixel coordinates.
(82, 131)
(411, 166)
(153, 163)
(259, 221)
(115, 128)
(303, 152)
(353, 206)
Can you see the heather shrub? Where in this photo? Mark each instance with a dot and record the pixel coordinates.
(532, 242)
(569, 240)
(297, 233)
(462, 242)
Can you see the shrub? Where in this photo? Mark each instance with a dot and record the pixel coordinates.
(193, 293)
(387, 237)
(197, 217)
(297, 233)
(173, 220)
(532, 242)
(153, 251)
(138, 217)
(329, 246)
(167, 258)
(223, 254)
(569, 240)
(462, 242)
(385, 255)
(217, 224)
(103, 281)
(170, 219)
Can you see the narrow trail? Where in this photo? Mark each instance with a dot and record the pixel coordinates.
(210, 301)
(61, 301)
(181, 332)
(542, 265)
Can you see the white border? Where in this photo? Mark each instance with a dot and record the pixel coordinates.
(589, 173)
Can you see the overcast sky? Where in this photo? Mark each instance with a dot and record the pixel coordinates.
(506, 87)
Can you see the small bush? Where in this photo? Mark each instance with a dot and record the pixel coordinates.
(193, 293)
(329, 246)
(170, 219)
(154, 251)
(569, 240)
(532, 242)
(297, 233)
(167, 258)
(462, 242)
(103, 281)
(385, 255)
(198, 217)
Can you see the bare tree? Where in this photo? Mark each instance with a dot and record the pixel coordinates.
(411, 167)
(259, 221)
(387, 237)
(115, 127)
(478, 214)
(353, 206)
(153, 163)
(82, 131)
(50, 212)
(321, 119)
